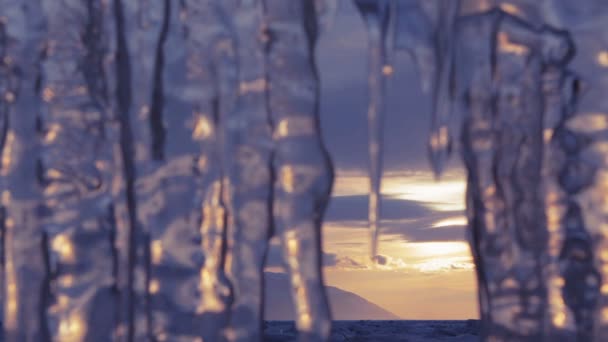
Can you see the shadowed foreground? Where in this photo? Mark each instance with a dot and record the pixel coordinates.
(462, 331)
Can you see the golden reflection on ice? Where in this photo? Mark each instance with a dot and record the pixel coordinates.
(62, 245)
(72, 328)
(7, 153)
(604, 315)
(294, 126)
(602, 58)
(48, 94)
(12, 304)
(559, 319)
(304, 313)
(12, 292)
(6, 197)
(209, 301)
(66, 280)
(256, 86)
(211, 230)
(156, 249)
(505, 45)
(387, 70)
(297, 178)
(9, 96)
(547, 135)
(305, 323)
(510, 8)
(588, 122)
(439, 139)
(292, 246)
(203, 129)
(154, 286)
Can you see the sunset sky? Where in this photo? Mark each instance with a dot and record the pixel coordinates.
(427, 271)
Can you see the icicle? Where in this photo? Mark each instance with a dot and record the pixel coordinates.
(246, 148)
(25, 265)
(326, 13)
(483, 203)
(414, 33)
(582, 139)
(500, 61)
(76, 171)
(440, 139)
(209, 90)
(142, 29)
(573, 281)
(301, 163)
(376, 16)
(172, 184)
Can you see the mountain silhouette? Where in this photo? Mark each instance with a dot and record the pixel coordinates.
(278, 304)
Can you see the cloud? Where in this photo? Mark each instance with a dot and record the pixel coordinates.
(432, 267)
(347, 208)
(383, 262)
(274, 257)
(390, 263)
(418, 229)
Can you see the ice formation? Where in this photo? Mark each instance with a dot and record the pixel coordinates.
(533, 171)
(376, 14)
(24, 271)
(151, 148)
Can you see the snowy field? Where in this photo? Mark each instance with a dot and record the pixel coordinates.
(414, 331)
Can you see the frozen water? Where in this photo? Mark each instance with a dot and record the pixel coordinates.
(376, 15)
(301, 164)
(517, 99)
(24, 245)
(75, 172)
(442, 112)
(151, 148)
(498, 85)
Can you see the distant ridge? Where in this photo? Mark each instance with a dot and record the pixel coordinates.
(345, 305)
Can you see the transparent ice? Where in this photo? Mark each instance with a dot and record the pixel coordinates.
(533, 170)
(376, 14)
(151, 148)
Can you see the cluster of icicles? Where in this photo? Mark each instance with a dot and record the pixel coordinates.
(151, 148)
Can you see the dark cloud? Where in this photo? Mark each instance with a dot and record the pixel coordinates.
(347, 208)
(450, 233)
(404, 219)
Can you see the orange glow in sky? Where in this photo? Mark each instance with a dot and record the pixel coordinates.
(413, 273)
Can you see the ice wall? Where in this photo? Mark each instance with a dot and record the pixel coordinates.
(527, 95)
(150, 150)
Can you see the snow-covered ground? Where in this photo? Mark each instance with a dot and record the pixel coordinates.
(411, 331)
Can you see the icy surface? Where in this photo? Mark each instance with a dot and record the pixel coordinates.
(376, 15)
(532, 171)
(75, 171)
(24, 246)
(151, 148)
(303, 170)
(385, 331)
